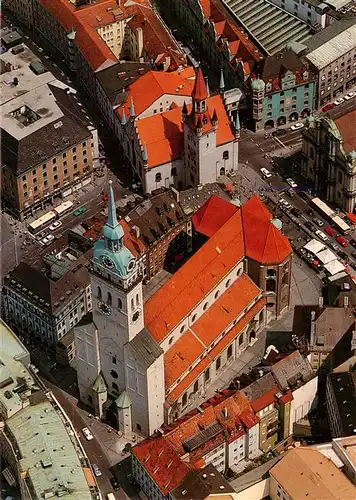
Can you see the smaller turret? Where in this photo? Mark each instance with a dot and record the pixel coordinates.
(222, 82)
(237, 126)
(123, 117)
(132, 109)
(184, 112)
(145, 156)
(214, 119)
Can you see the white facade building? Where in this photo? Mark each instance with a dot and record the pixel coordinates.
(303, 398)
(310, 11)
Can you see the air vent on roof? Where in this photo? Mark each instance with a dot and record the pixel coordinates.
(56, 146)
(62, 299)
(68, 292)
(98, 18)
(65, 140)
(7, 394)
(41, 154)
(58, 124)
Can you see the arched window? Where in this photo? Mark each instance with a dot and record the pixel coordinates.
(109, 299)
(158, 177)
(171, 340)
(225, 155)
(205, 306)
(137, 299)
(132, 303)
(271, 285)
(228, 283)
(217, 293)
(115, 386)
(119, 303)
(184, 399)
(99, 293)
(196, 386)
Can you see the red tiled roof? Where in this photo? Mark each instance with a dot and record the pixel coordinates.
(162, 463)
(200, 92)
(93, 48)
(214, 353)
(267, 399)
(347, 127)
(195, 279)
(163, 133)
(212, 215)
(263, 241)
(226, 308)
(287, 397)
(155, 84)
(180, 356)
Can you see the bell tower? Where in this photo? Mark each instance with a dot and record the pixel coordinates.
(116, 285)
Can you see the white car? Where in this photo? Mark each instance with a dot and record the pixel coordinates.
(285, 203)
(55, 225)
(47, 240)
(266, 173)
(297, 126)
(321, 235)
(338, 101)
(291, 182)
(350, 95)
(96, 470)
(89, 436)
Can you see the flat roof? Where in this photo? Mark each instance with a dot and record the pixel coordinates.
(48, 455)
(333, 42)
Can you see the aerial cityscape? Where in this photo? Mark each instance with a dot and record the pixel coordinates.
(178, 250)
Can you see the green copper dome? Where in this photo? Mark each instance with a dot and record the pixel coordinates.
(111, 252)
(258, 85)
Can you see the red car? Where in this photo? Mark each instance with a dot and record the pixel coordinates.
(330, 231)
(327, 107)
(342, 241)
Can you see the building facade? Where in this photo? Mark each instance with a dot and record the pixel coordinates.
(340, 403)
(337, 70)
(329, 159)
(313, 12)
(44, 299)
(283, 92)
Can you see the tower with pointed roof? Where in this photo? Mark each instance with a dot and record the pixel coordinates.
(210, 144)
(117, 297)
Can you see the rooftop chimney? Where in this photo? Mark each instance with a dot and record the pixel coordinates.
(225, 412)
(312, 328)
(321, 301)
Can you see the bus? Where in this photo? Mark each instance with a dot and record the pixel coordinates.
(44, 221)
(340, 224)
(63, 208)
(323, 209)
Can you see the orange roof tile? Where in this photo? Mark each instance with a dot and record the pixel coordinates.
(163, 133)
(193, 281)
(263, 241)
(162, 463)
(212, 215)
(218, 349)
(180, 356)
(93, 48)
(347, 126)
(200, 91)
(230, 305)
(267, 399)
(155, 84)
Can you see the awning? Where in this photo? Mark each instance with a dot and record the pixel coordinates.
(89, 477)
(351, 217)
(314, 246)
(326, 256)
(334, 267)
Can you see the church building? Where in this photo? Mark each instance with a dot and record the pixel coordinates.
(153, 360)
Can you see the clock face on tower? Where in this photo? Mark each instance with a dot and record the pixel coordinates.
(104, 308)
(135, 316)
(108, 262)
(131, 265)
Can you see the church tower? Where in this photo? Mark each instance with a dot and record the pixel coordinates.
(200, 126)
(117, 299)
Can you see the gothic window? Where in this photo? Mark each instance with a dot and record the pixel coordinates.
(119, 303)
(270, 285)
(132, 303)
(115, 386)
(225, 155)
(99, 293)
(205, 306)
(158, 177)
(228, 283)
(196, 386)
(137, 299)
(229, 351)
(109, 301)
(114, 360)
(184, 399)
(218, 363)
(207, 375)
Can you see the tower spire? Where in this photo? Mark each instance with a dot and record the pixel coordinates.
(145, 154)
(112, 217)
(200, 92)
(132, 108)
(123, 117)
(237, 125)
(222, 82)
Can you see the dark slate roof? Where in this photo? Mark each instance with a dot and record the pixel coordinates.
(21, 155)
(292, 368)
(344, 388)
(116, 79)
(202, 483)
(145, 348)
(328, 33)
(274, 66)
(260, 387)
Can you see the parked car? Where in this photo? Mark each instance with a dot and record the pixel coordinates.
(55, 225)
(321, 235)
(266, 173)
(48, 239)
(343, 255)
(285, 203)
(352, 243)
(295, 211)
(318, 222)
(96, 470)
(342, 241)
(353, 265)
(353, 254)
(338, 101)
(334, 246)
(114, 483)
(310, 213)
(297, 126)
(79, 211)
(290, 192)
(291, 182)
(327, 107)
(89, 436)
(350, 95)
(330, 231)
(309, 226)
(303, 195)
